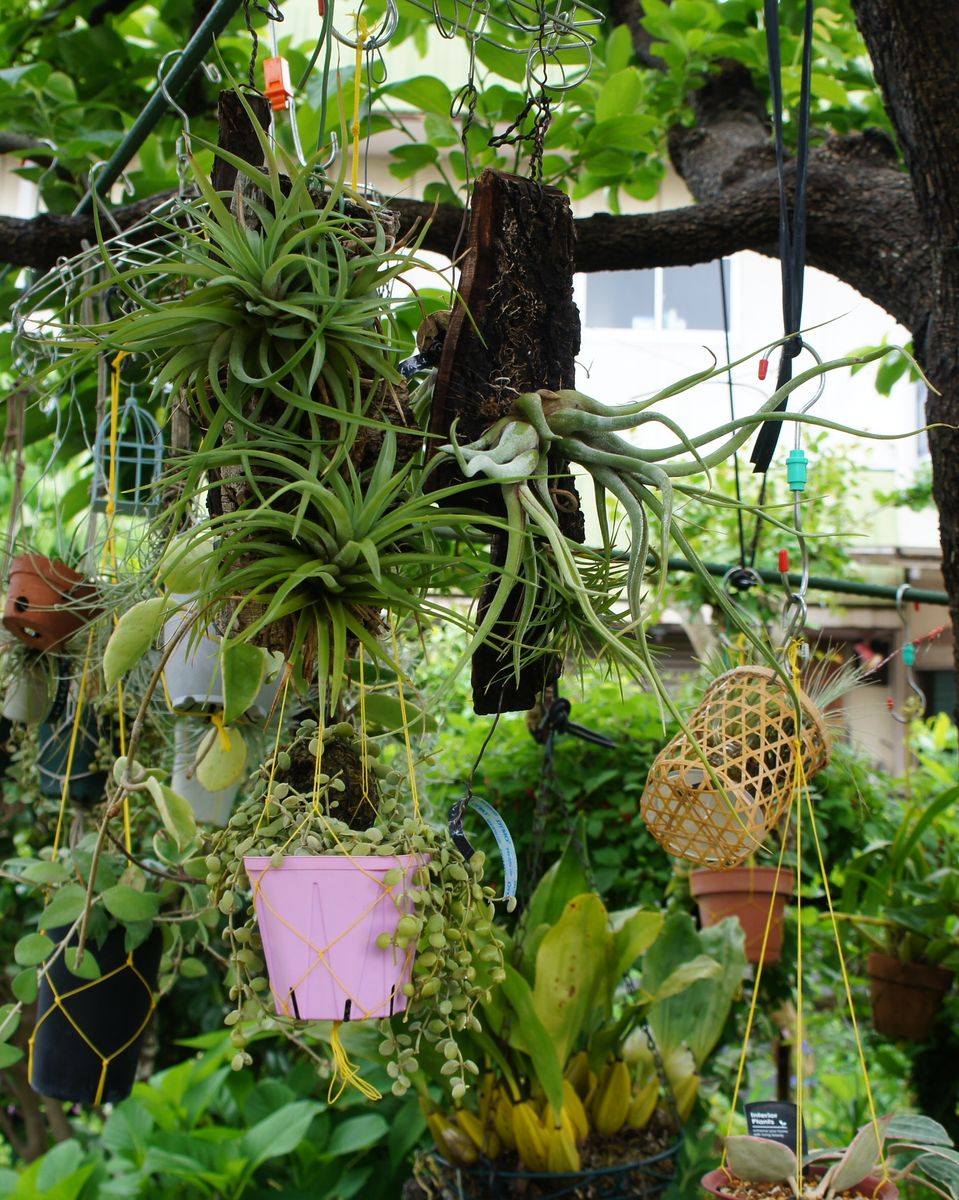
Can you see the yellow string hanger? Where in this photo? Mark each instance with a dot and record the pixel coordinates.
(801, 807)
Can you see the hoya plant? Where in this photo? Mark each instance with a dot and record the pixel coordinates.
(886, 1151)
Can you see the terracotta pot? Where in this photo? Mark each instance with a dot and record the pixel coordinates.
(905, 996)
(47, 602)
(745, 893)
(870, 1186)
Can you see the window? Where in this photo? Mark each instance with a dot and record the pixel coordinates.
(665, 298)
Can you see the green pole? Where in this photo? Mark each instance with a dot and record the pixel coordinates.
(183, 69)
(822, 583)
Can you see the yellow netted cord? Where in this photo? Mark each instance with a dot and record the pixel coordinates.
(362, 33)
(71, 749)
(58, 1004)
(801, 794)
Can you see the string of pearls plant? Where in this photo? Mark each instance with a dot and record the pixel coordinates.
(448, 912)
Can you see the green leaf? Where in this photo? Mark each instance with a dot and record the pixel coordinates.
(384, 710)
(565, 879)
(66, 905)
(87, 968)
(185, 566)
(620, 95)
(530, 1035)
(244, 669)
(221, 759)
(131, 638)
(695, 1018)
(425, 93)
(130, 904)
(633, 937)
(619, 48)
(46, 872)
(281, 1132)
(9, 1055)
(910, 1127)
(9, 1021)
(760, 1160)
(627, 134)
(828, 88)
(25, 985)
(357, 1133)
(33, 949)
(192, 968)
(859, 1158)
(572, 971)
(176, 814)
(685, 975)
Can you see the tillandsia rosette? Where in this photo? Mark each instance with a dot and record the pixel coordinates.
(327, 798)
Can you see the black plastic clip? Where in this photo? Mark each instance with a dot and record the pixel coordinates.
(556, 720)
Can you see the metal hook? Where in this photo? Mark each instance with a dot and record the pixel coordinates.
(165, 91)
(915, 705)
(390, 24)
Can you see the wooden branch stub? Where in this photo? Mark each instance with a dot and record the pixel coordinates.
(516, 329)
(237, 134)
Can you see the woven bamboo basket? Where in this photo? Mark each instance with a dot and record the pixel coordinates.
(746, 729)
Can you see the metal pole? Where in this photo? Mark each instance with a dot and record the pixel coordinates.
(822, 583)
(182, 71)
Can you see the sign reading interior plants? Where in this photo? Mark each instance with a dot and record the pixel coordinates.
(776, 1121)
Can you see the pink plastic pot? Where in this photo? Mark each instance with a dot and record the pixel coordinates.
(870, 1187)
(319, 919)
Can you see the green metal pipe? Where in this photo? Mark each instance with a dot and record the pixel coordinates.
(180, 74)
(822, 583)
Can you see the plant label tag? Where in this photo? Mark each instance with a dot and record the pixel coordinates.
(776, 1121)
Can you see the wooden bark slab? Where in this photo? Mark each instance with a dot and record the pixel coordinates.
(515, 330)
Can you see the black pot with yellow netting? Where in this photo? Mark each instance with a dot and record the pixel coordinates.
(85, 1045)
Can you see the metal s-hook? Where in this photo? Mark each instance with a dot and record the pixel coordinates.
(915, 705)
(165, 92)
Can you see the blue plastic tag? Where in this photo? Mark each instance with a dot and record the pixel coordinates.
(501, 835)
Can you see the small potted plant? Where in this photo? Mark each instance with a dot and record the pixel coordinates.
(108, 919)
(882, 1154)
(29, 681)
(354, 906)
(589, 1070)
(48, 602)
(902, 893)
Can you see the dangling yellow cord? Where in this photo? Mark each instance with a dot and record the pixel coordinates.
(111, 552)
(800, 789)
(71, 749)
(362, 33)
(224, 734)
(344, 1073)
(406, 725)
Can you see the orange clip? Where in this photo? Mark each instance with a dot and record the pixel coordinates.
(276, 83)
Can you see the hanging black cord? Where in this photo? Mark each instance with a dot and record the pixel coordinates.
(792, 234)
(732, 410)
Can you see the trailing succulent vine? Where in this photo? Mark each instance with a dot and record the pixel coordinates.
(315, 796)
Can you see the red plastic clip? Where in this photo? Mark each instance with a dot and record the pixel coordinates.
(276, 83)
(763, 367)
(784, 562)
(890, 703)
(321, 7)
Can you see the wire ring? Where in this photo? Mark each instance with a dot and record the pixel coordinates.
(390, 24)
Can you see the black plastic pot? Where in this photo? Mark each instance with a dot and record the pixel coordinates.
(86, 781)
(86, 1042)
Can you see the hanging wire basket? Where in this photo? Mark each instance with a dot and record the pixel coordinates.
(746, 729)
(137, 462)
(646, 1177)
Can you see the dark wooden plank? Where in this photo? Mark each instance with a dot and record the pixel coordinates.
(516, 330)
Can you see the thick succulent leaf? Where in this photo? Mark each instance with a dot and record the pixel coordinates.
(858, 1160)
(131, 638)
(760, 1160)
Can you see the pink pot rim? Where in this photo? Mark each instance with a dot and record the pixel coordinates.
(741, 880)
(335, 862)
(869, 1188)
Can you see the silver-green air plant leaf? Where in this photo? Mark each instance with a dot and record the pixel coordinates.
(759, 1160)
